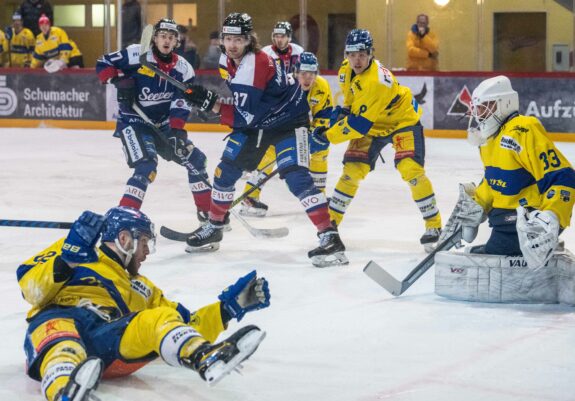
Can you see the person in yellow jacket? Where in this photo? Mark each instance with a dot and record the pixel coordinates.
(377, 111)
(52, 43)
(21, 42)
(3, 48)
(422, 46)
(94, 314)
(528, 189)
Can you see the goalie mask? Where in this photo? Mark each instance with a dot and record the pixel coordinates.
(492, 102)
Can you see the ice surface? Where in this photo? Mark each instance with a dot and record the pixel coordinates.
(333, 334)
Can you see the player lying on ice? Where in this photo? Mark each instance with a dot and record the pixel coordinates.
(527, 189)
(93, 314)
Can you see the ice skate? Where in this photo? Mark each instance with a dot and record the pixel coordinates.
(83, 381)
(206, 238)
(253, 207)
(330, 251)
(429, 239)
(213, 362)
(204, 217)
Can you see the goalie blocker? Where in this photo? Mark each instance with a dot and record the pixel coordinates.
(504, 279)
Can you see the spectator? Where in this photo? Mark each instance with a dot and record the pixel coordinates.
(187, 48)
(20, 41)
(212, 57)
(76, 57)
(31, 10)
(3, 47)
(131, 23)
(422, 46)
(53, 47)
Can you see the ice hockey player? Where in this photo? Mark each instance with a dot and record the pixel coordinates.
(52, 49)
(320, 102)
(269, 109)
(94, 314)
(377, 111)
(527, 192)
(289, 53)
(164, 105)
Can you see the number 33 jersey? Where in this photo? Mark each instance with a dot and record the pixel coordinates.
(523, 167)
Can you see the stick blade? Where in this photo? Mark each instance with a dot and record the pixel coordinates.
(279, 232)
(383, 278)
(146, 39)
(173, 234)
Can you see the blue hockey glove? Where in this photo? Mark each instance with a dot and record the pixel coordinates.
(201, 97)
(249, 293)
(338, 114)
(126, 91)
(79, 244)
(318, 141)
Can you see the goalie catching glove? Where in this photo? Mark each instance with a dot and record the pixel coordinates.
(538, 233)
(201, 97)
(249, 293)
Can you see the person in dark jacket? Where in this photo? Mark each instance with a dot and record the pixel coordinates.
(131, 22)
(31, 10)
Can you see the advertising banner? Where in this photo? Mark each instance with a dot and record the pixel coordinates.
(551, 100)
(42, 96)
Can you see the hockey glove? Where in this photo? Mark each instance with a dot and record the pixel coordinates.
(338, 114)
(318, 141)
(54, 65)
(467, 213)
(79, 244)
(249, 293)
(538, 233)
(201, 97)
(125, 91)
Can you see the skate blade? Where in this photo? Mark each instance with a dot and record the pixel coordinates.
(337, 259)
(85, 380)
(253, 212)
(246, 346)
(214, 246)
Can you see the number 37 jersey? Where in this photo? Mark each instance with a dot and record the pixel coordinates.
(523, 167)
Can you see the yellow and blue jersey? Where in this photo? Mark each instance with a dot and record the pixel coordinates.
(320, 102)
(21, 48)
(378, 104)
(3, 46)
(55, 45)
(523, 167)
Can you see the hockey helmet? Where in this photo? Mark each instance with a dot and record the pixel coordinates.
(491, 103)
(123, 218)
(167, 25)
(358, 40)
(16, 16)
(282, 28)
(307, 62)
(237, 24)
(44, 20)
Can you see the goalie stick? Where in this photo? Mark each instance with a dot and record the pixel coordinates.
(396, 287)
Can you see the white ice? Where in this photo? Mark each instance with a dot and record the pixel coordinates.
(333, 334)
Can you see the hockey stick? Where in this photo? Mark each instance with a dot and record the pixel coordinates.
(35, 224)
(396, 287)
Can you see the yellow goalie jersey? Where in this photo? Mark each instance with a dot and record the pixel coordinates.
(378, 104)
(320, 103)
(106, 285)
(56, 45)
(523, 167)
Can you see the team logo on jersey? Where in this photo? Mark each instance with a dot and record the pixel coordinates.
(341, 77)
(8, 99)
(550, 194)
(461, 104)
(565, 195)
(141, 288)
(510, 143)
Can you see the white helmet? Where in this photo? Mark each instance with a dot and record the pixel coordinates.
(491, 103)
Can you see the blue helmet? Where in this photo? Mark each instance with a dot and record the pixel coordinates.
(358, 40)
(122, 218)
(307, 62)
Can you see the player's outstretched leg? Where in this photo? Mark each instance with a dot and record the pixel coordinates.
(83, 381)
(214, 361)
(330, 250)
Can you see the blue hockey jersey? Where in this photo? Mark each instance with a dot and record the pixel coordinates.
(159, 99)
(263, 97)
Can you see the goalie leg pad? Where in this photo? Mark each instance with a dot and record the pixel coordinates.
(503, 279)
